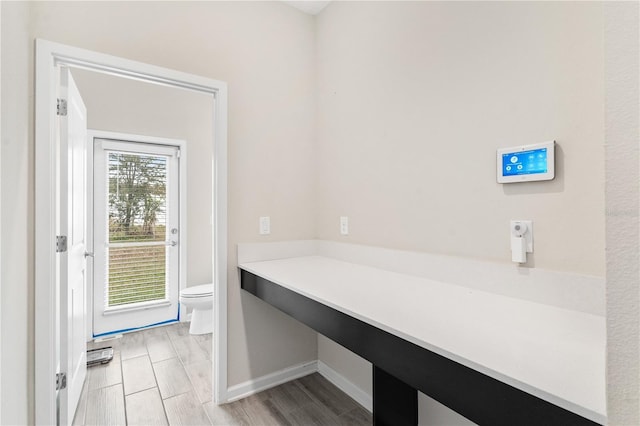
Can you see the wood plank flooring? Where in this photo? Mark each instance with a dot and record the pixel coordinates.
(162, 376)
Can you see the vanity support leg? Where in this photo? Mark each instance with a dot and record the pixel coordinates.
(394, 402)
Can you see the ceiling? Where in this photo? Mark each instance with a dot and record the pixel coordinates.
(312, 7)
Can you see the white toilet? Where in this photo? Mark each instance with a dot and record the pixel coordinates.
(200, 299)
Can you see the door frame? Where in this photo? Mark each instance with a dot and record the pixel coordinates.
(49, 56)
(182, 212)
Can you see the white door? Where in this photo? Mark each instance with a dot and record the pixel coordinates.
(72, 160)
(136, 235)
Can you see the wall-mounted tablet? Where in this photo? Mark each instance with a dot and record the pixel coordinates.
(526, 163)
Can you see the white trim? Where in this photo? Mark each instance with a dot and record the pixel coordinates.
(48, 56)
(141, 306)
(341, 382)
(251, 387)
(268, 381)
(89, 233)
(0, 240)
(45, 229)
(219, 241)
(1, 339)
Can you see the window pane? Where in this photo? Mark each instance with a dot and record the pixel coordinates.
(137, 197)
(136, 274)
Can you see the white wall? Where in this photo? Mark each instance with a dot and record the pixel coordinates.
(413, 100)
(265, 52)
(129, 106)
(622, 136)
(17, 195)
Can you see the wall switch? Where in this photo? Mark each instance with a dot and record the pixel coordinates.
(265, 225)
(344, 225)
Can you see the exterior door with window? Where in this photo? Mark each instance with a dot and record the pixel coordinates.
(136, 235)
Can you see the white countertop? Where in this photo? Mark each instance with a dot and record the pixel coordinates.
(550, 352)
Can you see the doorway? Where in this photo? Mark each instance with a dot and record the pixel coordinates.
(50, 318)
(137, 222)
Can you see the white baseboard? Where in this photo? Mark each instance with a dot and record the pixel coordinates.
(251, 387)
(360, 396)
(254, 386)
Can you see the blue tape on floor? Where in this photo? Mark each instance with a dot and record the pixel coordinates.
(124, 330)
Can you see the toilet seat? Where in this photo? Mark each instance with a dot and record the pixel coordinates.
(202, 290)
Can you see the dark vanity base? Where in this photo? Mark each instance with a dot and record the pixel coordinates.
(395, 403)
(402, 368)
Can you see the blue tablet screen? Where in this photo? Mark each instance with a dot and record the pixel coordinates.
(524, 162)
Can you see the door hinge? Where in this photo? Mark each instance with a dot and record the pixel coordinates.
(62, 107)
(61, 381)
(61, 243)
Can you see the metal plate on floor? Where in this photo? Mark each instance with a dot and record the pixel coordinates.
(99, 356)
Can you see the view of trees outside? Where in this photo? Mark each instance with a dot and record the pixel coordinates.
(137, 197)
(137, 216)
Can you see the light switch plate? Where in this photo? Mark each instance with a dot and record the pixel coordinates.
(344, 225)
(265, 225)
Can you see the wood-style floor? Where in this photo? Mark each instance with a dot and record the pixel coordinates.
(162, 376)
